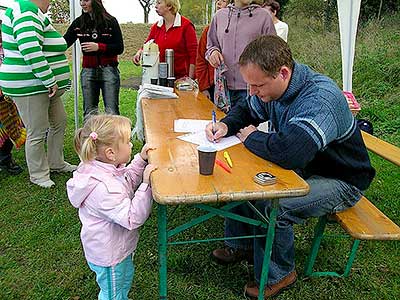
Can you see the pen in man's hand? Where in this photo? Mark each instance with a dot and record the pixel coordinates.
(214, 121)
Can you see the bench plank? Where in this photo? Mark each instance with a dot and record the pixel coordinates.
(382, 148)
(366, 222)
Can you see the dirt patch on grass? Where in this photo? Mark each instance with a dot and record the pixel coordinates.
(131, 82)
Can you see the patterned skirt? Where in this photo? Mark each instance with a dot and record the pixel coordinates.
(11, 126)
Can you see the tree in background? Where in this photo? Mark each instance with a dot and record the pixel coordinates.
(325, 11)
(146, 4)
(59, 11)
(196, 11)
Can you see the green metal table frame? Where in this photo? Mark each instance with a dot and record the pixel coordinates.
(164, 235)
(318, 236)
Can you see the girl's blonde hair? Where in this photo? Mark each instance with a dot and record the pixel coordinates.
(101, 131)
(174, 4)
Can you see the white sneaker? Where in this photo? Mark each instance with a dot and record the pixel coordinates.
(68, 168)
(44, 184)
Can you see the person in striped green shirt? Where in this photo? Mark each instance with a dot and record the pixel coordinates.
(34, 74)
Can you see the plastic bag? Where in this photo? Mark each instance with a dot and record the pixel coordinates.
(221, 94)
(186, 84)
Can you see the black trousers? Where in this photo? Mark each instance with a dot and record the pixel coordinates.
(5, 151)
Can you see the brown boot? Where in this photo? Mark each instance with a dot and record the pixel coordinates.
(252, 289)
(229, 255)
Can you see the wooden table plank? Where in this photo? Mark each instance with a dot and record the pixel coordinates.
(177, 179)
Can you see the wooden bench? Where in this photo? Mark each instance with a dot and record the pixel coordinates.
(364, 221)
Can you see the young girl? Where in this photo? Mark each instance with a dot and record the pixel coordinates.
(114, 200)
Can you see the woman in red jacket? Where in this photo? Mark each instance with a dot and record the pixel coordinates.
(175, 32)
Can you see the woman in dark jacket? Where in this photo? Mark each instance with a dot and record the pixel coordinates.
(101, 42)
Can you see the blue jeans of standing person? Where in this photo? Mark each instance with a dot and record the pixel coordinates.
(326, 196)
(115, 281)
(236, 96)
(105, 79)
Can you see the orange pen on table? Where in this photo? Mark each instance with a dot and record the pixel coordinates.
(222, 165)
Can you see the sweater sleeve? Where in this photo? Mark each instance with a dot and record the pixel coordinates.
(116, 44)
(202, 63)
(311, 127)
(70, 35)
(212, 38)
(29, 32)
(239, 117)
(191, 43)
(268, 27)
(290, 149)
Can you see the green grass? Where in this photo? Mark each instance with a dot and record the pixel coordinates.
(41, 255)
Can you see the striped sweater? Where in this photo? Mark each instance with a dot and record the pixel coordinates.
(313, 131)
(34, 52)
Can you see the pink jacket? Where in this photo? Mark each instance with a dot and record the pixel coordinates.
(113, 203)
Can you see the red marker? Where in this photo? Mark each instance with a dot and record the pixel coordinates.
(222, 165)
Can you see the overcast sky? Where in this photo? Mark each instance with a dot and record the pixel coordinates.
(124, 10)
(128, 11)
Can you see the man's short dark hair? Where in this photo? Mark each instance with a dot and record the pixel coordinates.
(269, 52)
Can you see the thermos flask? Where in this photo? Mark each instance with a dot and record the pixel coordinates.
(169, 59)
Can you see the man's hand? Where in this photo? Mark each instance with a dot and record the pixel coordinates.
(138, 56)
(147, 171)
(53, 90)
(215, 59)
(90, 47)
(145, 150)
(245, 132)
(215, 134)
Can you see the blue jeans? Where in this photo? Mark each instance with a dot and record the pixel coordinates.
(115, 281)
(105, 79)
(326, 196)
(236, 96)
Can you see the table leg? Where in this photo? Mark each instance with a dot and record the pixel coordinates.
(162, 250)
(268, 248)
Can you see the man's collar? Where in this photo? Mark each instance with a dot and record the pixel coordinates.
(177, 21)
(296, 83)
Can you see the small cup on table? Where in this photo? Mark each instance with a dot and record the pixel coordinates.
(207, 156)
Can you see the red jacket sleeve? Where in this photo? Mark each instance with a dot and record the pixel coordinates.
(191, 43)
(152, 33)
(202, 73)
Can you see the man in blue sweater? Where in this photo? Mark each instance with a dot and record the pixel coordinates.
(313, 133)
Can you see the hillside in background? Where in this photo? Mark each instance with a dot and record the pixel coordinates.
(134, 36)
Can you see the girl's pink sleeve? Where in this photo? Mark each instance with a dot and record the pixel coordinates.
(117, 208)
(134, 174)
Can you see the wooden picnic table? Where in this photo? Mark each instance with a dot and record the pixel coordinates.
(177, 179)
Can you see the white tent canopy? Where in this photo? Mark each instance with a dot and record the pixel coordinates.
(348, 11)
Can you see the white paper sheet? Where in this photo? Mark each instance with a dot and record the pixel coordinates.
(199, 138)
(190, 125)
